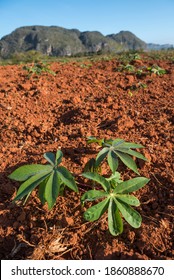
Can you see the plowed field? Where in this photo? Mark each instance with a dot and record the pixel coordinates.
(45, 113)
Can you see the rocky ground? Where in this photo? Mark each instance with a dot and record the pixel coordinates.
(47, 112)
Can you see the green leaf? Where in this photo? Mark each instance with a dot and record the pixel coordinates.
(129, 199)
(90, 166)
(95, 212)
(127, 160)
(133, 153)
(117, 142)
(50, 157)
(107, 142)
(101, 155)
(93, 195)
(130, 145)
(115, 222)
(129, 214)
(67, 178)
(24, 172)
(112, 161)
(52, 189)
(115, 179)
(116, 175)
(92, 139)
(59, 156)
(131, 185)
(97, 178)
(30, 184)
(41, 192)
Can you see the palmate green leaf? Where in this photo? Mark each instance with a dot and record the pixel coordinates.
(50, 157)
(115, 222)
(129, 199)
(67, 178)
(52, 189)
(118, 148)
(93, 195)
(97, 178)
(95, 212)
(131, 185)
(127, 160)
(129, 214)
(30, 184)
(24, 172)
(112, 161)
(59, 156)
(101, 155)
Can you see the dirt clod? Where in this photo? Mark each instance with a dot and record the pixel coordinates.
(53, 112)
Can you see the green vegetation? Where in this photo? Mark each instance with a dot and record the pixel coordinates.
(115, 196)
(160, 55)
(24, 57)
(50, 178)
(116, 200)
(38, 69)
(134, 88)
(58, 41)
(128, 40)
(111, 194)
(84, 65)
(126, 59)
(156, 70)
(128, 67)
(115, 150)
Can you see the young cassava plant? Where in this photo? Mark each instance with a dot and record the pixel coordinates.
(50, 178)
(115, 150)
(156, 70)
(38, 69)
(115, 199)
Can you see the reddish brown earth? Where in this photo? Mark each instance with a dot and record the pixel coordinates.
(48, 112)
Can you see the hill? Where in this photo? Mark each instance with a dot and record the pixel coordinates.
(128, 40)
(157, 47)
(59, 41)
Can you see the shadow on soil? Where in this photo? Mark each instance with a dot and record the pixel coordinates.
(18, 227)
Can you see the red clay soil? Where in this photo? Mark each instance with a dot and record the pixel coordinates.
(45, 113)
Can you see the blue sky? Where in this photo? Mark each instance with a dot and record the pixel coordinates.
(150, 20)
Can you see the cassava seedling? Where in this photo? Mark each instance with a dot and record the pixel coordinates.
(116, 200)
(38, 69)
(116, 150)
(50, 178)
(129, 68)
(156, 70)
